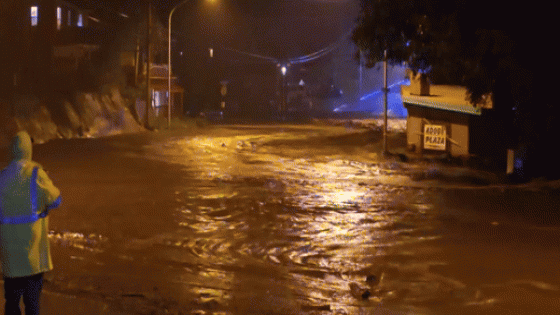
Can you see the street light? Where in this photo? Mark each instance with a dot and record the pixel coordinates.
(169, 59)
(284, 94)
(169, 97)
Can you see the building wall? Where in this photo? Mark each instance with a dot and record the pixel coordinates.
(414, 131)
(29, 62)
(457, 128)
(460, 134)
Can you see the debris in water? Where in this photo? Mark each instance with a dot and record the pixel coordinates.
(139, 295)
(366, 294)
(372, 280)
(307, 308)
(358, 292)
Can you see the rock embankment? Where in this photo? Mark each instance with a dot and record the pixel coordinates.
(82, 115)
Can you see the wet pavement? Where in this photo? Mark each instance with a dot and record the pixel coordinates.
(304, 219)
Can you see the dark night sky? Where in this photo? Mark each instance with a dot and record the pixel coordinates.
(297, 27)
(279, 28)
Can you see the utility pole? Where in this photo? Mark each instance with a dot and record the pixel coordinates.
(385, 91)
(169, 92)
(360, 72)
(46, 37)
(148, 65)
(137, 60)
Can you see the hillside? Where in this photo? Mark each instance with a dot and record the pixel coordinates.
(80, 115)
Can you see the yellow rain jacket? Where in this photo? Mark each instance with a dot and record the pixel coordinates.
(26, 196)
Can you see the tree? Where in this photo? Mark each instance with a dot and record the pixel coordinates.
(492, 50)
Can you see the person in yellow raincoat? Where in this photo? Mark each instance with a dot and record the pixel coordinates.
(26, 196)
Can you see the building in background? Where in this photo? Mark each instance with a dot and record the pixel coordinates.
(48, 41)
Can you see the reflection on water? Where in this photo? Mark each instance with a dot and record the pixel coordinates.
(315, 227)
(91, 242)
(257, 232)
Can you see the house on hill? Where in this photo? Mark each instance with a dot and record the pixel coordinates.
(54, 38)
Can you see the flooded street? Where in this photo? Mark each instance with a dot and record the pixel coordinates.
(292, 220)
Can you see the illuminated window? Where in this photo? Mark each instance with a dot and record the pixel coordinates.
(58, 17)
(34, 15)
(80, 22)
(69, 20)
(156, 101)
(159, 98)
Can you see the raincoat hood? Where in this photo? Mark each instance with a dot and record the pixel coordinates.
(21, 146)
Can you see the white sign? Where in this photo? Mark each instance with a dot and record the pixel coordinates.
(434, 137)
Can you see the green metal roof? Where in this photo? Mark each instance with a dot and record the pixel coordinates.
(444, 97)
(425, 102)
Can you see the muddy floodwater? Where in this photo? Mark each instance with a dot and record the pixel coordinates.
(293, 220)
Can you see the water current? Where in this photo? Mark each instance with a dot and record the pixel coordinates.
(261, 223)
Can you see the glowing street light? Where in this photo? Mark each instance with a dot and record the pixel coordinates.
(283, 96)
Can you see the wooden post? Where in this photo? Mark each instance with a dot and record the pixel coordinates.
(510, 161)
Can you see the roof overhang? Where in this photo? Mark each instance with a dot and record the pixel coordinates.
(445, 97)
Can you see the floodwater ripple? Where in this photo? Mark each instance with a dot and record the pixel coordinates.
(249, 228)
(317, 221)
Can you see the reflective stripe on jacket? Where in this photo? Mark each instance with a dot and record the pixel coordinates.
(26, 194)
(34, 215)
